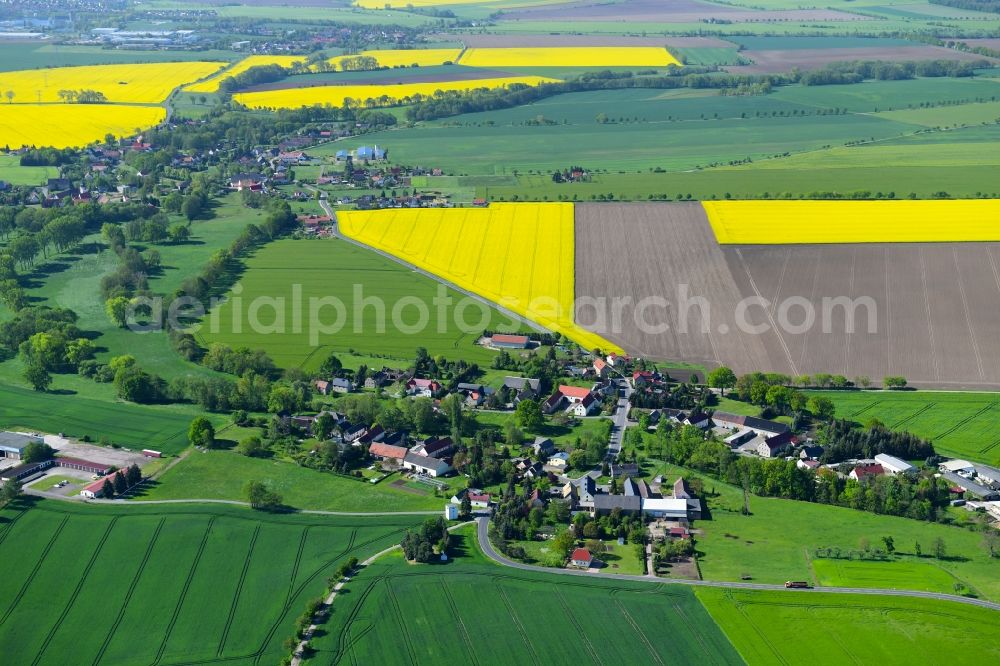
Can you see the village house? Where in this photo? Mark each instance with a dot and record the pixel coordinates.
(433, 467)
(581, 558)
(558, 462)
(601, 368)
(423, 388)
(771, 447)
(387, 453)
(554, 403)
(587, 406)
(477, 498)
(434, 447)
(543, 446)
(866, 472)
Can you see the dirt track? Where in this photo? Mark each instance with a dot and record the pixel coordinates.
(936, 316)
(517, 40)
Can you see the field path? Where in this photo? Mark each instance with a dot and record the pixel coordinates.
(328, 602)
(490, 552)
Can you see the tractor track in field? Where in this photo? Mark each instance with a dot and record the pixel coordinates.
(344, 642)
(34, 572)
(129, 592)
(579, 627)
(638, 631)
(517, 621)
(68, 606)
(466, 638)
(966, 421)
(401, 623)
(238, 593)
(184, 591)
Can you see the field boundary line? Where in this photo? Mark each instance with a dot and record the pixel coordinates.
(184, 591)
(34, 572)
(638, 631)
(239, 591)
(461, 623)
(68, 606)
(130, 592)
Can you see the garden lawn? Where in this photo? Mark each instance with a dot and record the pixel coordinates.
(791, 628)
(166, 584)
(13, 173)
(222, 475)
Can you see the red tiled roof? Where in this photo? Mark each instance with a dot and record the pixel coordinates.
(511, 339)
(574, 391)
(868, 470)
(581, 555)
(387, 451)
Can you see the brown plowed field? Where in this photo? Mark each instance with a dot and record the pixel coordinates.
(936, 305)
(676, 11)
(774, 61)
(515, 40)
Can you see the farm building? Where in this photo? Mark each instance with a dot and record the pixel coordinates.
(370, 153)
(866, 472)
(574, 394)
(627, 504)
(587, 406)
(24, 472)
(388, 452)
(893, 465)
(13, 444)
(505, 341)
(434, 447)
(93, 490)
(99, 469)
(670, 508)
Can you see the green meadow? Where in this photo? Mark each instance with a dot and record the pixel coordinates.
(336, 269)
(902, 575)
(791, 628)
(12, 173)
(166, 585)
(957, 423)
(222, 475)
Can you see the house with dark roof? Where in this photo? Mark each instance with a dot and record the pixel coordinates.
(741, 422)
(434, 447)
(774, 446)
(543, 446)
(522, 383)
(425, 465)
(553, 404)
(681, 490)
(627, 504)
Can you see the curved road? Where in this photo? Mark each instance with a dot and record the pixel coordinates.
(484, 543)
(513, 316)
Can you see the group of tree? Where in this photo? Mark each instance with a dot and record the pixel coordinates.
(428, 540)
(844, 440)
(261, 497)
(82, 96)
(48, 341)
(121, 482)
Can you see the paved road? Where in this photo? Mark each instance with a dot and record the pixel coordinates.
(484, 543)
(619, 420)
(513, 316)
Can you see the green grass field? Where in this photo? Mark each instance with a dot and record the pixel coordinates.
(334, 268)
(166, 585)
(32, 55)
(222, 475)
(777, 542)
(13, 173)
(162, 428)
(792, 628)
(658, 128)
(958, 424)
(394, 613)
(903, 575)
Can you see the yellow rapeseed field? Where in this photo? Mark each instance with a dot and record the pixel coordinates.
(67, 125)
(904, 221)
(293, 98)
(569, 56)
(405, 57)
(520, 256)
(212, 85)
(147, 83)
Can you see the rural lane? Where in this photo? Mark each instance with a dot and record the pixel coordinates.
(513, 316)
(487, 547)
